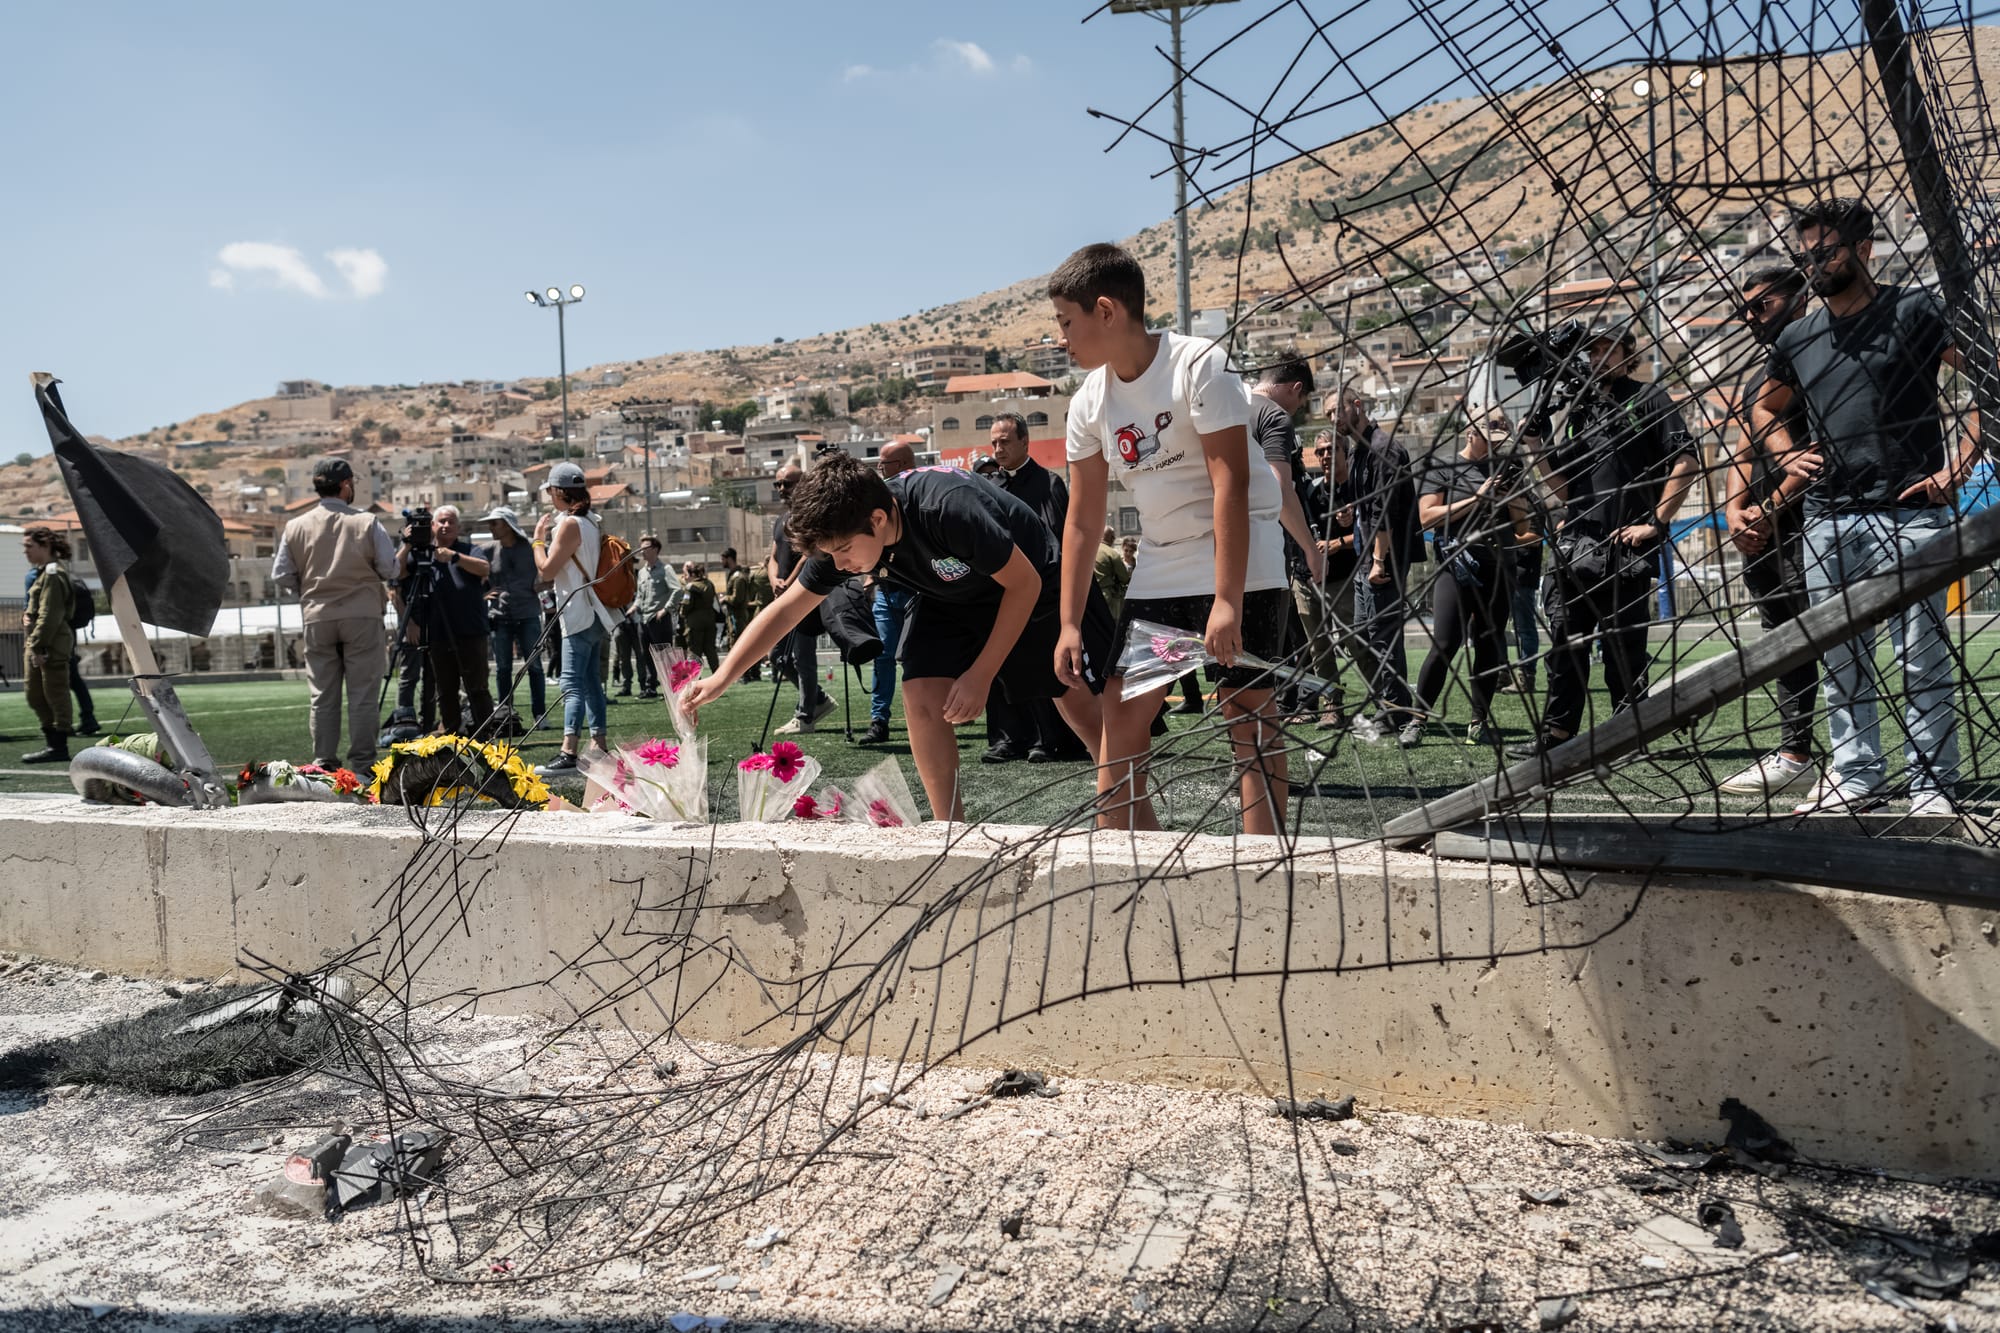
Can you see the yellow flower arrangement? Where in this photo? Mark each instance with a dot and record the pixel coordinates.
(497, 757)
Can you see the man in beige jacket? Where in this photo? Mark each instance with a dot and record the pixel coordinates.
(337, 559)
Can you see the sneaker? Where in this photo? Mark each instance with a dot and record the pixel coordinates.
(1002, 753)
(1412, 734)
(1535, 746)
(562, 763)
(825, 706)
(1037, 755)
(1775, 772)
(1932, 803)
(1479, 734)
(89, 727)
(877, 733)
(797, 726)
(1830, 798)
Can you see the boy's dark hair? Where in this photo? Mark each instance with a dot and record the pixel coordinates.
(1291, 371)
(1851, 218)
(1101, 270)
(1785, 278)
(835, 501)
(1017, 422)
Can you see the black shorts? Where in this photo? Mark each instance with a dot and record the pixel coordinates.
(943, 639)
(1264, 613)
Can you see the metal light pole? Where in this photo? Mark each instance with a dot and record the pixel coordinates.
(555, 296)
(1169, 12)
(646, 415)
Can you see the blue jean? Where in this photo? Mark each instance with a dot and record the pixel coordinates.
(582, 682)
(1842, 550)
(890, 606)
(519, 636)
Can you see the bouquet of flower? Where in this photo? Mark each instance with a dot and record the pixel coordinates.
(1156, 655)
(769, 785)
(882, 798)
(276, 780)
(663, 780)
(438, 770)
(677, 671)
(827, 805)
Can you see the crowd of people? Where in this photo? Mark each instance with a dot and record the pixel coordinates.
(996, 592)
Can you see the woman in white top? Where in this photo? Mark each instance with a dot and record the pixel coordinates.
(566, 544)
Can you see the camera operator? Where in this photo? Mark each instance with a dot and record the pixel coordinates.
(444, 582)
(514, 612)
(1622, 467)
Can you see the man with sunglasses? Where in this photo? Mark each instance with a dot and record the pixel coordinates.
(803, 640)
(1875, 478)
(1772, 539)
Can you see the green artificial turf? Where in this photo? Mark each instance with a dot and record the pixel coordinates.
(1358, 785)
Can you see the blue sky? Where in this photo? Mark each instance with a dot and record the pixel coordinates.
(228, 195)
(213, 197)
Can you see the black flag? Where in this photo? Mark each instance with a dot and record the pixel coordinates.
(144, 524)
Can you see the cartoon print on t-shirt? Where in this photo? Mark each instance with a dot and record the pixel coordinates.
(1134, 445)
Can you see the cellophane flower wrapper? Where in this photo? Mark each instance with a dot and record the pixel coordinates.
(661, 780)
(1157, 655)
(881, 797)
(677, 671)
(829, 804)
(764, 792)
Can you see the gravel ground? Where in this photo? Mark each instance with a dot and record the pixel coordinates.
(1130, 1207)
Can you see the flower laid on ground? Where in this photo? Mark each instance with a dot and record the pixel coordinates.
(655, 778)
(882, 797)
(828, 806)
(768, 786)
(277, 780)
(462, 766)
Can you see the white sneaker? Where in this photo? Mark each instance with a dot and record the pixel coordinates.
(1829, 798)
(1775, 772)
(798, 726)
(1931, 803)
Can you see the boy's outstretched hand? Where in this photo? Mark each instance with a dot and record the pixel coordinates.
(1224, 639)
(700, 692)
(966, 699)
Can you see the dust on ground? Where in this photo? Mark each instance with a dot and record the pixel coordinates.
(1111, 1206)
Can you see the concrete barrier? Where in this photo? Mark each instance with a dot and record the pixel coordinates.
(1865, 1028)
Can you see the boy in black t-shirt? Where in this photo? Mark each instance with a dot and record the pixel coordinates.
(985, 571)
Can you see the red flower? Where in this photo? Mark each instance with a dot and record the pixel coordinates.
(756, 763)
(681, 673)
(805, 808)
(345, 781)
(786, 760)
(881, 816)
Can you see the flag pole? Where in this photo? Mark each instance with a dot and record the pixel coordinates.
(156, 695)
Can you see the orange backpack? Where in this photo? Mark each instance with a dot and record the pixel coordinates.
(616, 583)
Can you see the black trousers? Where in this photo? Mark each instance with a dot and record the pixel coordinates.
(1613, 611)
(1469, 604)
(1775, 578)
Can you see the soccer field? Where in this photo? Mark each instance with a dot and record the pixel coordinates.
(1359, 785)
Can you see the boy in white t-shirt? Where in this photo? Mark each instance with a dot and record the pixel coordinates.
(1169, 414)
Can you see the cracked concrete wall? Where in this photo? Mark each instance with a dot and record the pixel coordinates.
(1867, 1029)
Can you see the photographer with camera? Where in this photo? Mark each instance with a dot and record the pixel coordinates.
(337, 558)
(1621, 467)
(444, 596)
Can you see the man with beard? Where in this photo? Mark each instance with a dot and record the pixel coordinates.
(1875, 479)
(1773, 541)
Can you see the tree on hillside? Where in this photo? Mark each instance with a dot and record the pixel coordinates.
(414, 412)
(225, 427)
(861, 397)
(274, 475)
(733, 419)
(389, 435)
(369, 423)
(23, 460)
(821, 407)
(358, 436)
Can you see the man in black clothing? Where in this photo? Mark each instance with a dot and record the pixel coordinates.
(452, 614)
(1387, 540)
(803, 642)
(1326, 607)
(1772, 540)
(1876, 480)
(1049, 739)
(1624, 464)
(1277, 401)
(987, 577)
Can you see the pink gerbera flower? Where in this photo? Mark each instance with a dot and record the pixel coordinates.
(756, 763)
(682, 672)
(1169, 649)
(805, 808)
(658, 754)
(786, 760)
(881, 816)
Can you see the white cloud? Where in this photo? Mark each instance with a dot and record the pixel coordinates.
(281, 265)
(365, 270)
(970, 54)
(855, 73)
